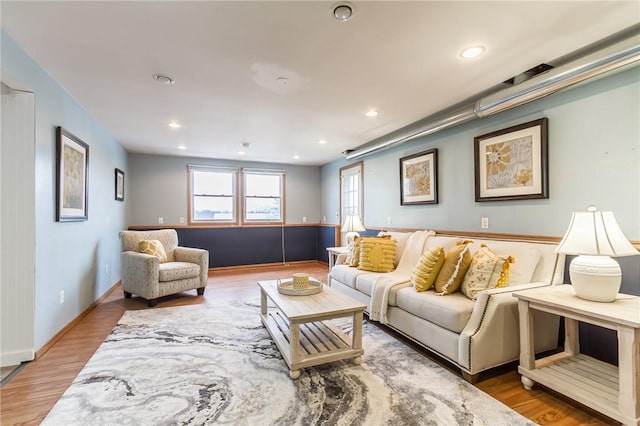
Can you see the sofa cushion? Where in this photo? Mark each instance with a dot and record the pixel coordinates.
(524, 265)
(426, 271)
(401, 238)
(455, 266)
(377, 254)
(347, 275)
(487, 270)
(171, 271)
(451, 312)
(153, 248)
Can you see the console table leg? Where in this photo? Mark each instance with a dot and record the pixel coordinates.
(357, 360)
(527, 383)
(294, 374)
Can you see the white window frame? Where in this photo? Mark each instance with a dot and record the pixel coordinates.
(352, 198)
(270, 172)
(213, 169)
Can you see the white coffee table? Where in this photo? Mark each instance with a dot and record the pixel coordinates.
(299, 328)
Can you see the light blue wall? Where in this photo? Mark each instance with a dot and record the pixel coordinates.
(158, 186)
(594, 158)
(69, 256)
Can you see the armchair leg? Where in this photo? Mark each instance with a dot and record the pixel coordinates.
(152, 302)
(200, 291)
(127, 295)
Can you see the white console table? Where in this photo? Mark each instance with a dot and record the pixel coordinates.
(334, 252)
(614, 391)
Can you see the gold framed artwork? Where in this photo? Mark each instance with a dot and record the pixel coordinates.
(511, 164)
(72, 177)
(419, 178)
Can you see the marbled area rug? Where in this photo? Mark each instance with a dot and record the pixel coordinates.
(200, 365)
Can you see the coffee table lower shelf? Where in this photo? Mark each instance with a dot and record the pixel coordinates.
(310, 343)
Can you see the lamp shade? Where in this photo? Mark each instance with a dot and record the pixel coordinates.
(595, 233)
(352, 223)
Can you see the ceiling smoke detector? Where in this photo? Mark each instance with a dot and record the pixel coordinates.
(343, 11)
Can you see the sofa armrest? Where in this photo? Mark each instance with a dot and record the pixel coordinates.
(197, 256)
(140, 274)
(492, 335)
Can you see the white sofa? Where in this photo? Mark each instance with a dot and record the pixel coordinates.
(473, 335)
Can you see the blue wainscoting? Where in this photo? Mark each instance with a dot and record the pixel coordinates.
(260, 245)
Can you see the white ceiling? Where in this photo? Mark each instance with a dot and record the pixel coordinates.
(401, 58)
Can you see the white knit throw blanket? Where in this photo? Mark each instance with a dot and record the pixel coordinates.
(401, 275)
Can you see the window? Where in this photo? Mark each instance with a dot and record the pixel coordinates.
(351, 191)
(212, 194)
(263, 200)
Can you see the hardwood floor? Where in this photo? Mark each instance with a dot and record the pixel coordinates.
(29, 395)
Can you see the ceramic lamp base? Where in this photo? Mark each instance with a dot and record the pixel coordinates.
(595, 278)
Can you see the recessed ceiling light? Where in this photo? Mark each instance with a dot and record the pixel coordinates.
(182, 147)
(282, 81)
(163, 79)
(372, 113)
(174, 125)
(241, 152)
(472, 52)
(296, 157)
(322, 141)
(343, 11)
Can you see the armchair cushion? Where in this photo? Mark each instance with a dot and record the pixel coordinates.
(153, 248)
(171, 271)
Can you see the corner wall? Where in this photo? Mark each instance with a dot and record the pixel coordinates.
(80, 258)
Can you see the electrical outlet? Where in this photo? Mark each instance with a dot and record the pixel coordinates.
(61, 296)
(160, 220)
(388, 220)
(324, 219)
(484, 223)
(304, 219)
(181, 219)
(106, 269)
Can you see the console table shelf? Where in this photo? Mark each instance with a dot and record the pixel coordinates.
(604, 387)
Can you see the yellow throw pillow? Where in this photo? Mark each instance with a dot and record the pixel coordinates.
(426, 271)
(487, 270)
(376, 254)
(353, 257)
(455, 266)
(154, 248)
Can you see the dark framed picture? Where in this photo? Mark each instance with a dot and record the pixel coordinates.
(419, 178)
(72, 177)
(119, 185)
(511, 164)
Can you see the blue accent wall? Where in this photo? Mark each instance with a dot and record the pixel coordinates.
(253, 245)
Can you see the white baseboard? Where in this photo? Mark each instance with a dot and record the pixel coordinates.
(15, 358)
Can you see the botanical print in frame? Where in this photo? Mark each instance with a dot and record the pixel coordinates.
(72, 177)
(419, 178)
(119, 185)
(511, 164)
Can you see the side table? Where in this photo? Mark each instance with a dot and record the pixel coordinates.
(614, 391)
(334, 252)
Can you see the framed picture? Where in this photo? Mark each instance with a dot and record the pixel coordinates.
(72, 177)
(511, 164)
(419, 178)
(119, 185)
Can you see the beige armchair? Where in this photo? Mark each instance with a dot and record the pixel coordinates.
(146, 276)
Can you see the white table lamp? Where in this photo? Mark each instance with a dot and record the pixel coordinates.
(352, 225)
(595, 236)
